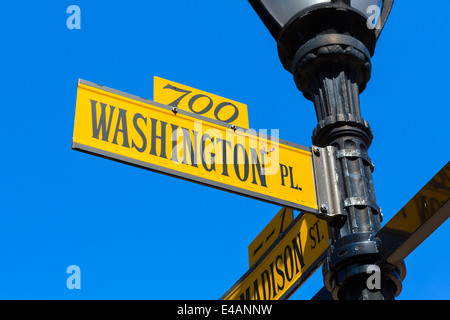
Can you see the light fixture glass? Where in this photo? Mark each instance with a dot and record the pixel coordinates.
(283, 10)
(276, 13)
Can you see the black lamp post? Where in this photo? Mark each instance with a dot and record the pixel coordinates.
(327, 46)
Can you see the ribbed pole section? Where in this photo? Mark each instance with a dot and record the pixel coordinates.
(332, 76)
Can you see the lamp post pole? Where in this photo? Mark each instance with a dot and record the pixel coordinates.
(332, 76)
(332, 69)
(327, 47)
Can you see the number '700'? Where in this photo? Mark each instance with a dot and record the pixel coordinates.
(201, 108)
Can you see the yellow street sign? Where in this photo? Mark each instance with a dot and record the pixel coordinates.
(149, 135)
(423, 205)
(418, 219)
(287, 265)
(269, 234)
(200, 102)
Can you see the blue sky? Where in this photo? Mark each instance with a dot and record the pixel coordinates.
(137, 234)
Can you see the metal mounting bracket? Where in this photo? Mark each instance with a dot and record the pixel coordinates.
(327, 182)
(350, 153)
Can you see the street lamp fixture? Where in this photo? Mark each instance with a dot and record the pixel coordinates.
(276, 14)
(293, 22)
(327, 46)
